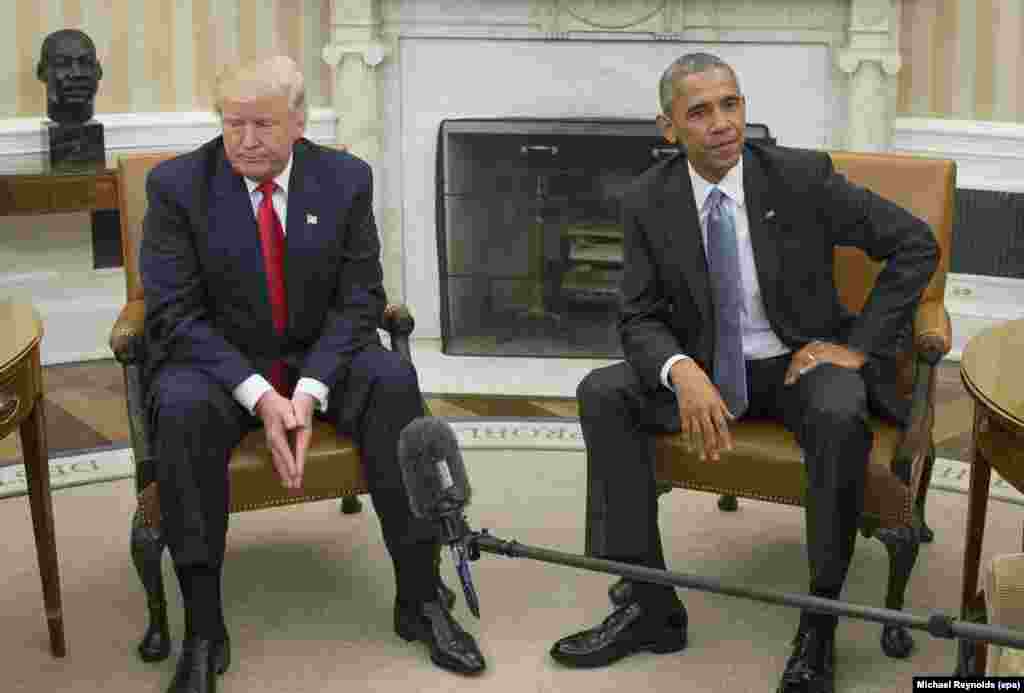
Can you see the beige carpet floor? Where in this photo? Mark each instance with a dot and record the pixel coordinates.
(309, 594)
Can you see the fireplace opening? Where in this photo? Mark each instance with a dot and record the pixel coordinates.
(529, 234)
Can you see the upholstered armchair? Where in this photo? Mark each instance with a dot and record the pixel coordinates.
(333, 468)
(766, 463)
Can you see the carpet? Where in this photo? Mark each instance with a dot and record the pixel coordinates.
(115, 462)
(308, 592)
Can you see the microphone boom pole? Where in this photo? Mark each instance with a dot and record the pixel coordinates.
(938, 625)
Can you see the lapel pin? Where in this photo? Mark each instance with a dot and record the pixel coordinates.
(770, 214)
(311, 219)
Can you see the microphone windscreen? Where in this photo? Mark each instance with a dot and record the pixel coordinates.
(432, 468)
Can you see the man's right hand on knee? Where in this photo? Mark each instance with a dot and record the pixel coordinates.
(703, 417)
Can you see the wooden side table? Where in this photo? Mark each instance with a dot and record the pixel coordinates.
(991, 373)
(21, 407)
(38, 190)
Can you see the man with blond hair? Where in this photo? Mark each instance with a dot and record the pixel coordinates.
(260, 261)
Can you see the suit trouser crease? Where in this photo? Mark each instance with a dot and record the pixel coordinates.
(826, 410)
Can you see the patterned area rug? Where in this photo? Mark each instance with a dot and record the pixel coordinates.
(106, 464)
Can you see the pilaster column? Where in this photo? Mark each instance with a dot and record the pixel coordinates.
(870, 59)
(355, 50)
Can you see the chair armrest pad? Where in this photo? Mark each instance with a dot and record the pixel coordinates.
(126, 337)
(397, 320)
(933, 333)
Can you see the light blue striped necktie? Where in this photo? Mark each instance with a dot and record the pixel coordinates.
(730, 374)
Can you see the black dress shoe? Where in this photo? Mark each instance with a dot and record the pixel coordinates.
(451, 647)
(445, 594)
(196, 671)
(630, 628)
(220, 655)
(621, 592)
(811, 668)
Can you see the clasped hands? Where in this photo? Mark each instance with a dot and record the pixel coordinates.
(288, 424)
(704, 418)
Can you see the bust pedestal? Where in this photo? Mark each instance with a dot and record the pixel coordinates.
(75, 145)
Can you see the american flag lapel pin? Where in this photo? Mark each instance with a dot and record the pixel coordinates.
(770, 214)
(311, 219)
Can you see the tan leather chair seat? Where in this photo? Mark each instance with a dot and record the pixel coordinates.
(333, 469)
(767, 464)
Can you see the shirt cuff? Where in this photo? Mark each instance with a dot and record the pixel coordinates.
(249, 391)
(315, 389)
(668, 366)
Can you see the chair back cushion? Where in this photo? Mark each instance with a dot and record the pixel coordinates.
(132, 170)
(923, 186)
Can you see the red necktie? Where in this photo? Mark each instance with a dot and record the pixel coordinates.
(272, 238)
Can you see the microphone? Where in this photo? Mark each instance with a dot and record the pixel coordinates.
(438, 489)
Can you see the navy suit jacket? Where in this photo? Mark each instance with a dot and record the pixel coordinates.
(207, 303)
(799, 210)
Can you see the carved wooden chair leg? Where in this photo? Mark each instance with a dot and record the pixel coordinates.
(728, 503)
(147, 546)
(350, 505)
(902, 545)
(927, 535)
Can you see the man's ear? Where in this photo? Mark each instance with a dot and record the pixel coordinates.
(667, 129)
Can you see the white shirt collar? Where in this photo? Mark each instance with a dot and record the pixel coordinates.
(281, 179)
(731, 185)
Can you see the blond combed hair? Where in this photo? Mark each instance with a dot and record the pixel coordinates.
(274, 76)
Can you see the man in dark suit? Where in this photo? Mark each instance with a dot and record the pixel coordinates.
(251, 321)
(730, 310)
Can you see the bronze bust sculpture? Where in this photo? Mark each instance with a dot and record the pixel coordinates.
(72, 72)
(68, 65)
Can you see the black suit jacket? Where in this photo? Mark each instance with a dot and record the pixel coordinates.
(799, 210)
(207, 303)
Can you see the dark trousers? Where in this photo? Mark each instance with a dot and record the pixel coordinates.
(826, 409)
(197, 423)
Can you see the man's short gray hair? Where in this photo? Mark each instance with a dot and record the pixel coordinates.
(689, 64)
(276, 76)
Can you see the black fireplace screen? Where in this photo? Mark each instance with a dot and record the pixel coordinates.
(528, 232)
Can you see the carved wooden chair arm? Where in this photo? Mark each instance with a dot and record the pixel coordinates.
(126, 337)
(933, 332)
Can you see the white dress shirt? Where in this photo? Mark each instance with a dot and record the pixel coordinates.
(249, 391)
(759, 340)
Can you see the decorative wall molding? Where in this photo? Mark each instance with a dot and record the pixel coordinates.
(989, 155)
(688, 20)
(822, 21)
(21, 139)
